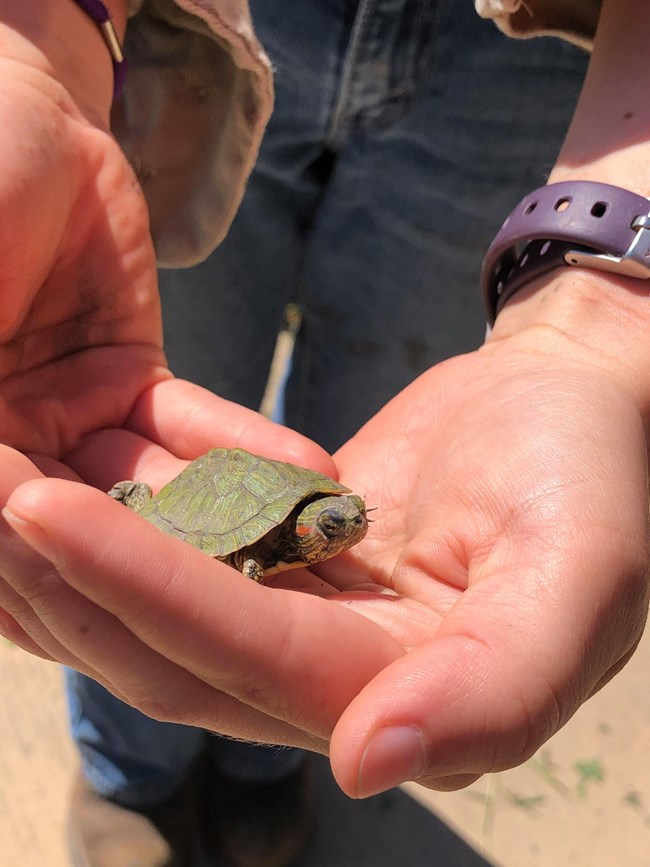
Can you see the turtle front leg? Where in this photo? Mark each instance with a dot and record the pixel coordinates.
(252, 569)
(132, 494)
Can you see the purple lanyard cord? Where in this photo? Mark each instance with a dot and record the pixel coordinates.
(98, 12)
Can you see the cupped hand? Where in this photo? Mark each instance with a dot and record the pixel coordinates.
(84, 386)
(501, 583)
(512, 540)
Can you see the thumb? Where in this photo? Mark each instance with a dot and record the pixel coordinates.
(442, 715)
(507, 669)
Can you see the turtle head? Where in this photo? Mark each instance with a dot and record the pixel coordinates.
(330, 525)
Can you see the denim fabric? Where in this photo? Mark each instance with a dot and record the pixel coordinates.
(125, 755)
(138, 761)
(404, 132)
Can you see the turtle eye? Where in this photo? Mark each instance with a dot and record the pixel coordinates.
(330, 522)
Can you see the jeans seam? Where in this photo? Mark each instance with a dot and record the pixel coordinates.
(336, 127)
(384, 118)
(434, 30)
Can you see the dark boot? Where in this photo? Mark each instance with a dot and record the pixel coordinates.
(264, 824)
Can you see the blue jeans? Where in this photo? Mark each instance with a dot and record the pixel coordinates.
(138, 761)
(404, 132)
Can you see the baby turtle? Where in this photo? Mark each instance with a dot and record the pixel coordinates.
(258, 515)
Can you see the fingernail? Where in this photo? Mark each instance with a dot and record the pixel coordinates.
(32, 533)
(392, 756)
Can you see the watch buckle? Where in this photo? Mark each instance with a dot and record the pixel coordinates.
(635, 262)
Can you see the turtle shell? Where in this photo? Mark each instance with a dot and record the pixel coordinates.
(228, 499)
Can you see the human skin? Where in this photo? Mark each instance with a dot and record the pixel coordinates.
(504, 579)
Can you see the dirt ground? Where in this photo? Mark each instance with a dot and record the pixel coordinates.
(583, 800)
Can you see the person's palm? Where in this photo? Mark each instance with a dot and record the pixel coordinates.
(510, 546)
(79, 314)
(80, 326)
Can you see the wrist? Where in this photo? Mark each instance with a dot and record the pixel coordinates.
(590, 317)
(581, 317)
(58, 39)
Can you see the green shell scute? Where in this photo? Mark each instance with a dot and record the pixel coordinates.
(228, 499)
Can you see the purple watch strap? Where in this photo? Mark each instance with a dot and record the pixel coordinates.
(97, 11)
(547, 224)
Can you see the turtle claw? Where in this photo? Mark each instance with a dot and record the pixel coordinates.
(252, 569)
(131, 494)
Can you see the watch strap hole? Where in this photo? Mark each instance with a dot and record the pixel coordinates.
(562, 204)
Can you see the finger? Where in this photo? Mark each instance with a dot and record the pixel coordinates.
(438, 724)
(112, 455)
(28, 579)
(90, 395)
(84, 637)
(18, 561)
(13, 632)
(271, 648)
(53, 469)
(508, 668)
(449, 784)
(72, 630)
(49, 619)
(177, 423)
(189, 420)
(105, 651)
